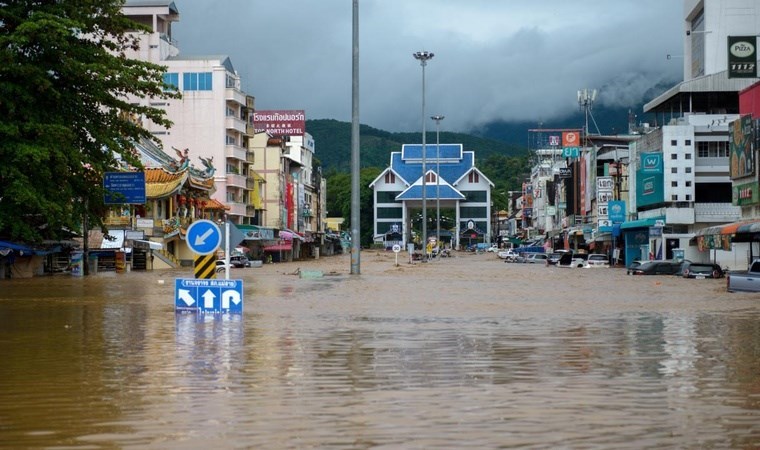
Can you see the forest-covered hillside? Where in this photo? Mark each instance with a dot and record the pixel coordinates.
(333, 144)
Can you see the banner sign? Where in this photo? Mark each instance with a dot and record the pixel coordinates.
(742, 57)
(745, 194)
(280, 122)
(741, 157)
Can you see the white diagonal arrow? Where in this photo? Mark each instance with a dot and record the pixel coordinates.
(185, 296)
(230, 295)
(208, 299)
(201, 239)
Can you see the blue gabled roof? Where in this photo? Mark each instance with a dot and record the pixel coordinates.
(454, 162)
(411, 152)
(415, 192)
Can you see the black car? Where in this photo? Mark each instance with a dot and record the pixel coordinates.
(657, 268)
(701, 270)
(239, 261)
(553, 258)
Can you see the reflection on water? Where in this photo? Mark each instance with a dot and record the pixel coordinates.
(109, 364)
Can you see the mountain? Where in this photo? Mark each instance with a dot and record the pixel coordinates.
(333, 144)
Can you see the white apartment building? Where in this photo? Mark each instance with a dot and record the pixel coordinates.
(696, 188)
(211, 118)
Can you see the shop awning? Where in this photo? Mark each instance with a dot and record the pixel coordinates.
(139, 243)
(641, 223)
(281, 247)
(740, 227)
(290, 235)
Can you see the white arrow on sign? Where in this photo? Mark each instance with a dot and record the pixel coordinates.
(185, 296)
(201, 239)
(208, 299)
(228, 296)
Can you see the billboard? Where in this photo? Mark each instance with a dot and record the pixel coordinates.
(280, 122)
(650, 180)
(742, 57)
(741, 158)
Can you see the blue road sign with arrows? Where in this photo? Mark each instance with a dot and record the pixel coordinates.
(208, 296)
(203, 237)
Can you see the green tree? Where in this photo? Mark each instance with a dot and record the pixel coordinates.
(68, 96)
(339, 200)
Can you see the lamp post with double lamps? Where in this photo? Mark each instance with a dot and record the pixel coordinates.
(423, 58)
(438, 120)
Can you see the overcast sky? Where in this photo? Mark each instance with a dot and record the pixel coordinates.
(513, 60)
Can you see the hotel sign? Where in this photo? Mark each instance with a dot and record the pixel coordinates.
(280, 122)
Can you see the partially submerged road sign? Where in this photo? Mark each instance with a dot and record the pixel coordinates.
(208, 296)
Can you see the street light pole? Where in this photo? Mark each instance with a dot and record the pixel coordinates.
(423, 58)
(438, 120)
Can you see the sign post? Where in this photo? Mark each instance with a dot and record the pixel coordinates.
(396, 250)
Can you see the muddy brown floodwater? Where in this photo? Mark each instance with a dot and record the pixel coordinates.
(465, 352)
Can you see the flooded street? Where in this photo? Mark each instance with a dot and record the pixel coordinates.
(465, 352)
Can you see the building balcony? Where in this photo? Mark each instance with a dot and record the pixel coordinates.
(716, 212)
(250, 183)
(250, 130)
(237, 209)
(250, 210)
(250, 156)
(235, 95)
(235, 123)
(235, 152)
(236, 180)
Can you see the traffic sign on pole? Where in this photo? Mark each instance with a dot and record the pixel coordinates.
(203, 237)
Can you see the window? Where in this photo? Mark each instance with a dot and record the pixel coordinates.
(673, 142)
(674, 170)
(390, 178)
(674, 183)
(674, 156)
(473, 177)
(230, 140)
(172, 79)
(688, 197)
(688, 170)
(389, 213)
(688, 184)
(473, 211)
(687, 156)
(712, 149)
(387, 196)
(196, 81)
(475, 196)
(687, 142)
(674, 197)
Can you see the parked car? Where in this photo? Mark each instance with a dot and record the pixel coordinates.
(701, 270)
(597, 260)
(536, 258)
(239, 261)
(572, 260)
(658, 268)
(509, 255)
(634, 264)
(747, 281)
(221, 266)
(554, 257)
(493, 248)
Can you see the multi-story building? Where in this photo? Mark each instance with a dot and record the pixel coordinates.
(682, 183)
(211, 118)
(451, 181)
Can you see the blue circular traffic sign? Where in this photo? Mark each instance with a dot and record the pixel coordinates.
(203, 237)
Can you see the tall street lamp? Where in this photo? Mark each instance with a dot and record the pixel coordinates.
(423, 58)
(438, 120)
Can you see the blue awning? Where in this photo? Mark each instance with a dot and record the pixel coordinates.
(20, 249)
(641, 223)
